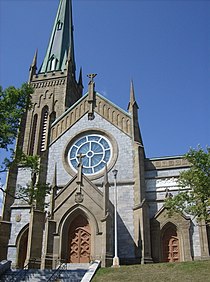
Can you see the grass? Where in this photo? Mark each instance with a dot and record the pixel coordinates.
(197, 271)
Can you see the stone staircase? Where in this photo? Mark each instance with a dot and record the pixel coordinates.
(71, 273)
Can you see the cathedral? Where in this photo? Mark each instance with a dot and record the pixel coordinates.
(104, 191)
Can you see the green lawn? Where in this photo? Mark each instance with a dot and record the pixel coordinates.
(161, 272)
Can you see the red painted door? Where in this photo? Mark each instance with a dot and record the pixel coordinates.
(79, 240)
(171, 252)
(174, 249)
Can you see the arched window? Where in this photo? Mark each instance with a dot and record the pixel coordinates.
(22, 248)
(53, 63)
(33, 135)
(44, 129)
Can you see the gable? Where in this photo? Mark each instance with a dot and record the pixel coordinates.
(92, 197)
(163, 218)
(103, 107)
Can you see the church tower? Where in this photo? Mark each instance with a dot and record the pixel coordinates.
(55, 85)
(55, 90)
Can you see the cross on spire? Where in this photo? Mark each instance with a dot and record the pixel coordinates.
(79, 157)
(91, 76)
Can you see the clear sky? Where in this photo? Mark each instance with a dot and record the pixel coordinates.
(164, 46)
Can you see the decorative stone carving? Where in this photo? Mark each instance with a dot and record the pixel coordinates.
(79, 197)
(18, 217)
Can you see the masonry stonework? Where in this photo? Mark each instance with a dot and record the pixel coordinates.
(80, 139)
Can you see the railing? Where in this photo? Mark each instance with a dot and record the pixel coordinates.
(57, 271)
(22, 273)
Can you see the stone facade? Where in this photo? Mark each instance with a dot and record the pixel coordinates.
(161, 179)
(78, 223)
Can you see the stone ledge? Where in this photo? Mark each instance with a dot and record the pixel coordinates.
(91, 271)
(166, 163)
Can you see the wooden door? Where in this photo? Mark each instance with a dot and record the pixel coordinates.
(174, 249)
(79, 240)
(171, 251)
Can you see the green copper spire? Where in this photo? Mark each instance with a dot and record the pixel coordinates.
(61, 41)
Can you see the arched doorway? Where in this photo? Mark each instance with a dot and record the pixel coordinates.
(79, 240)
(22, 249)
(170, 243)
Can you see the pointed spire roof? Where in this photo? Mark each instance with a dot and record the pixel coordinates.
(34, 62)
(80, 78)
(33, 67)
(132, 101)
(61, 40)
(133, 109)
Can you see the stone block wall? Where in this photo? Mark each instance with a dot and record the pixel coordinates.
(123, 163)
(19, 218)
(162, 179)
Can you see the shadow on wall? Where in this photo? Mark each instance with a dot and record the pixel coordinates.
(128, 251)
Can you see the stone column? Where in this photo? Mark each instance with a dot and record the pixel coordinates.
(56, 258)
(185, 227)
(47, 261)
(203, 240)
(5, 228)
(141, 217)
(35, 237)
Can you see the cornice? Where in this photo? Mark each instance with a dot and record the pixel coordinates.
(166, 163)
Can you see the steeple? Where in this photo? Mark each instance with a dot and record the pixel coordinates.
(80, 79)
(61, 41)
(132, 101)
(33, 67)
(133, 110)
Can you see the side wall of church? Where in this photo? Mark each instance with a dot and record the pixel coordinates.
(158, 183)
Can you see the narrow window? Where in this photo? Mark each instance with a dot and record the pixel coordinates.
(44, 129)
(54, 62)
(59, 25)
(33, 135)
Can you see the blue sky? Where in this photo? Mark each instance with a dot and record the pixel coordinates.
(164, 46)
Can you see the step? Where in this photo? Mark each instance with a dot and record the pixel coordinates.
(73, 273)
(77, 266)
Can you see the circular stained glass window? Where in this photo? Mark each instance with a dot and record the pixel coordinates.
(94, 150)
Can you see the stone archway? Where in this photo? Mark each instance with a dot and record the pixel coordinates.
(22, 249)
(79, 240)
(180, 225)
(170, 245)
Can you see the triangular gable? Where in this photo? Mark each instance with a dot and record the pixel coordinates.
(103, 107)
(163, 218)
(67, 194)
